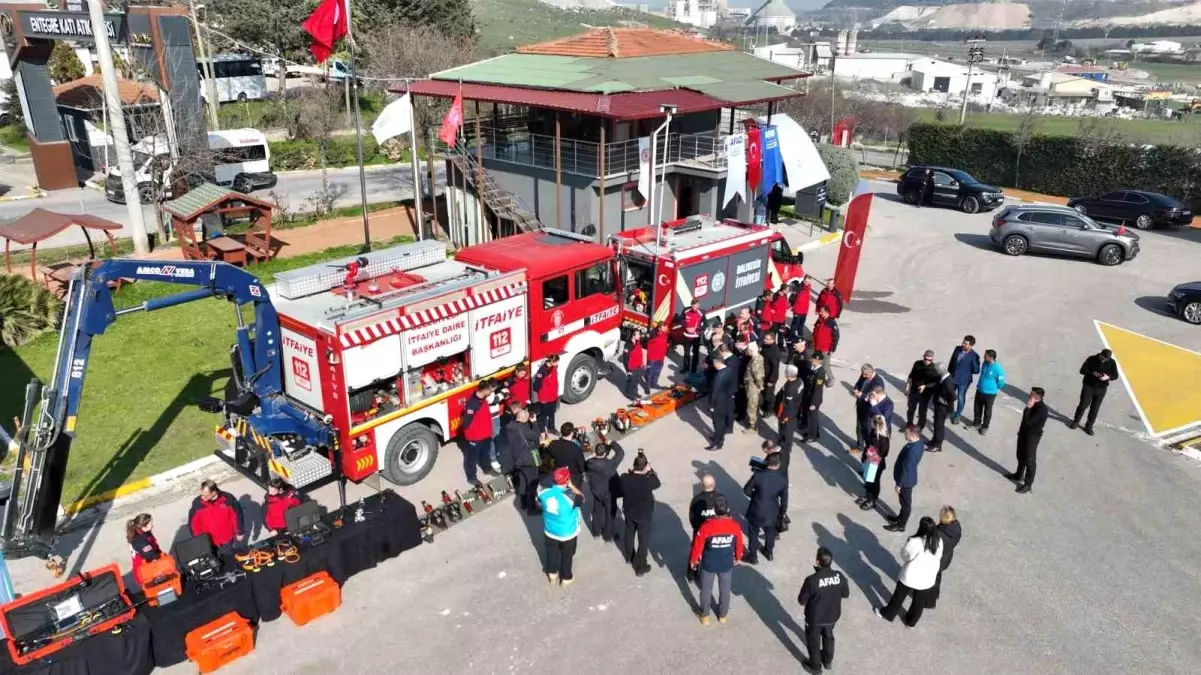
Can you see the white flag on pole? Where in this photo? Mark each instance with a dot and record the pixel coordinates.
(735, 168)
(395, 119)
(644, 167)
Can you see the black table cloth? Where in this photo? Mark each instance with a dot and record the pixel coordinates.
(127, 651)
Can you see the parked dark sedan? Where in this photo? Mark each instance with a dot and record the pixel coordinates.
(1139, 208)
(950, 187)
(1185, 302)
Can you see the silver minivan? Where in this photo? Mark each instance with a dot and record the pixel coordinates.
(1045, 228)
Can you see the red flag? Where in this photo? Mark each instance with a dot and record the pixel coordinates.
(854, 227)
(754, 156)
(449, 133)
(327, 24)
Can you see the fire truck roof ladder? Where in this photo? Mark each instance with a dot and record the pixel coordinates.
(326, 276)
(556, 232)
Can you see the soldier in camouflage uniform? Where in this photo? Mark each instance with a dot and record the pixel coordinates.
(753, 378)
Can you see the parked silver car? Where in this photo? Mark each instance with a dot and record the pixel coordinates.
(1059, 229)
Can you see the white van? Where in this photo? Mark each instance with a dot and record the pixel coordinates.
(241, 160)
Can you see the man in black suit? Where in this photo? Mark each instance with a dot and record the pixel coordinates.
(637, 487)
(1030, 432)
(721, 400)
(768, 490)
(919, 388)
(1098, 370)
(945, 396)
(788, 408)
(811, 399)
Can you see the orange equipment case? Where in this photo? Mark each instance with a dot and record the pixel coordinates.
(157, 577)
(313, 596)
(104, 584)
(219, 642)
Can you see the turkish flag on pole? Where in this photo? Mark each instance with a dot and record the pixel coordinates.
(449, 133)
(327, 24)
(754, 156)
(854, 228)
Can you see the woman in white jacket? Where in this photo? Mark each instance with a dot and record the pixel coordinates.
(920, 561)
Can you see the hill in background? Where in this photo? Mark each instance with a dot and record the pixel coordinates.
(502, 25)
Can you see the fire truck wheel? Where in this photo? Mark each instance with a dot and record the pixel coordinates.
(581, 379)
(410, 455)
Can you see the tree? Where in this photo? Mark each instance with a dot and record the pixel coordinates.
(844, 172)
(27, 310)
(12, 103)
(64, 63)
(1027, 126)
(452, 18)
(398, 50)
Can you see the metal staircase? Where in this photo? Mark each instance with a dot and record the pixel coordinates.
(505, 204)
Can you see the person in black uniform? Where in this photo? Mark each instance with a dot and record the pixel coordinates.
(768, 490)
(702, 506)
(919, 388)
(1030, 432)
(788, 409)
(602, 473)
(519, 458)
(638, 506)
(945, 396)
(567, 454)
(721, 401)
(1098, 370)
(811, 399)
(773, 357)
(822, 595)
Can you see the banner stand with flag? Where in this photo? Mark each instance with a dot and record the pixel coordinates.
(394, 120)
(854, 230)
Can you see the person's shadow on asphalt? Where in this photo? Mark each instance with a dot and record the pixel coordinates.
(669, 548)
(852, 559)
(756, 591)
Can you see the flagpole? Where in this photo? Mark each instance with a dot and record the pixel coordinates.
(420, 224)
(358, 129)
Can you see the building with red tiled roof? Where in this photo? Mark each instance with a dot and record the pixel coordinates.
(556, 132)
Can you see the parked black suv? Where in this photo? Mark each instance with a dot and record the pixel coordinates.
(949, 187)
(1139, 208)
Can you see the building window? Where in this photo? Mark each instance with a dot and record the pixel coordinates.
(977, 87)
(631, 198)
(554, 292)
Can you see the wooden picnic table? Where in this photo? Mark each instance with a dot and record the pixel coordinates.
(228, 250)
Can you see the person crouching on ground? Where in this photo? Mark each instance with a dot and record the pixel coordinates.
(560, 525)
(280, 497)
(716, 549)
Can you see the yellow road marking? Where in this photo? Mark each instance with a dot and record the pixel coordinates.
(1163, 380)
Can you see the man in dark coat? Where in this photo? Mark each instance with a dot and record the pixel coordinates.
(904, 472)
(789, 408)
(519, 458)
(773, 357)
(702, 506)
(950, 531)
(638, 506)
(602, 474)
(811, 398)
(721, 401)
(868, 380)
(1030, 433)
(822, 595)
(944, 402)
(775, 199)
(567, 454)
(919, 389)
(1098, 370)
(768, 491)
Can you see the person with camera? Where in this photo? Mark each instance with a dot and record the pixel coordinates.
(560, 525)
(638, 486)
(822, 595)
(768, 491)
(602, 474)
(566, 453)
(520, 459)
(716, 549)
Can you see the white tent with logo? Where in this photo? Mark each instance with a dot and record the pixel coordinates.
(803, 166)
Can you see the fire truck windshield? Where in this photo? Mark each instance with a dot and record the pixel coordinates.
(637, 283)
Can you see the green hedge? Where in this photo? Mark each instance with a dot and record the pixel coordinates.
(1059, 165)
(340, 151)
(844, 172)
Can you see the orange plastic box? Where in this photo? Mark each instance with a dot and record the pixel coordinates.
(219, 642)
(157, 577)
(311, 597)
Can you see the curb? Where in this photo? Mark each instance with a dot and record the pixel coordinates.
(821, 241)
(77, 507)
(35, 193)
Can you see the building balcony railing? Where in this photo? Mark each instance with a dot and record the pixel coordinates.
(584, 157)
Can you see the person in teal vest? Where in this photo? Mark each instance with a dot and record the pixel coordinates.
(561, 504)
(990, 383)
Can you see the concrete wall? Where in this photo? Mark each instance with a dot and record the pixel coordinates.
(871, 68)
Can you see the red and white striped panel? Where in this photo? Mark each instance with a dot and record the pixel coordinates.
(368, 334)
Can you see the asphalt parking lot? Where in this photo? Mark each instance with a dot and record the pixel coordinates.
(1094, 572)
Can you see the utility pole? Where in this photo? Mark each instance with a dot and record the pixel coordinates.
(833, 57)
(975, 54)
(210, 84)
(129, 183)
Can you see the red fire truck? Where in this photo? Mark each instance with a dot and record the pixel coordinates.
(726, 265)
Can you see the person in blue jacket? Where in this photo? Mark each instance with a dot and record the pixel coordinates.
(991, 382)
(904, 472)
(561, 504)
(963, 366)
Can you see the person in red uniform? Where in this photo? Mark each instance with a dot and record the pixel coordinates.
(143, 547)
(694, 323)
(546, 393)
(656, 354)
(477, 431)
(825, 338)
(800, 307)
(635, 366)
(519, 386)
(831, 299)
(280, 497)
(765, 311)
(779, 311)
(716, 549)
(217, 514)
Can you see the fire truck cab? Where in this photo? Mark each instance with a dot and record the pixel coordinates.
(726, 265)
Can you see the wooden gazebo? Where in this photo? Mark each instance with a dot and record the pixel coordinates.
(224, 203)
(39, 225)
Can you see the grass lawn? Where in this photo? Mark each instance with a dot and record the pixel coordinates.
(1187, 132)
(505, 24)
(14, 137)
(1170, 72)
(266, 114)
(138, 415)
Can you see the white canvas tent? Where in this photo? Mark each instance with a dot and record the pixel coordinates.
(803, 166)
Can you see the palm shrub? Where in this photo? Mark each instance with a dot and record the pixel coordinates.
(27, 310)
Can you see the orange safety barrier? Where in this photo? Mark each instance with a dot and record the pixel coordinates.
(219, 642)
(315, 595)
